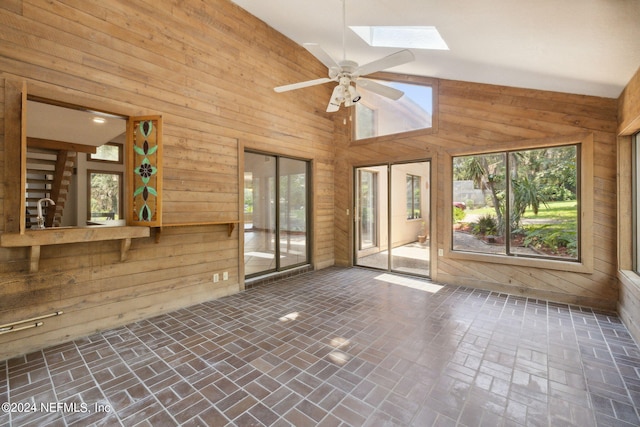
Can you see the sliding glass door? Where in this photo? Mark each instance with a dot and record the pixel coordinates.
(292, 207)
(410, 218)
(392, 223)
(370, 209)
(276, 213)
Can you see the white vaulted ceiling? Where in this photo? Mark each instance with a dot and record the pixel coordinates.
(589, 47)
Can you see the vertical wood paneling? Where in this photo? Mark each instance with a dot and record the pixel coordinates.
(209, 69)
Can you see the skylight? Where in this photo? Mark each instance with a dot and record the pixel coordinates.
(401, 37)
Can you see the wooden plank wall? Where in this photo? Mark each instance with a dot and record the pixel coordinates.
(475, 116)
(208, 68)
(629, 107)
(629, 281)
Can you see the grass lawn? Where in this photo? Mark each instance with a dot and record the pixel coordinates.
(555, 210)
(553, 230)
(565, 212)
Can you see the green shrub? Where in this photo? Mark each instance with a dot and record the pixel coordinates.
(552, 238)
(486, 224)
(458, 214)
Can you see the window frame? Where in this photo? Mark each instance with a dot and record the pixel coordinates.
(508, 162)
(626, 202)
(120, 160)
(635, 202)
(407, 79)
(17, 93)
(585, 263)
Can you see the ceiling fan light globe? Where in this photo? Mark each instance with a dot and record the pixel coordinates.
(337, 98)
(354, 96)
(344, 81)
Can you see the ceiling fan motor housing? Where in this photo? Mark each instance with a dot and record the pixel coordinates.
(348, 66)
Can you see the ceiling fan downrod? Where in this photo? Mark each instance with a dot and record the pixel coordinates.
(348, 73)
(344, 30)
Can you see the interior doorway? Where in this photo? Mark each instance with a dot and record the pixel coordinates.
(392, 217)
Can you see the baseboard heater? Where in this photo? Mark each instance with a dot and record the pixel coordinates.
(21, 325)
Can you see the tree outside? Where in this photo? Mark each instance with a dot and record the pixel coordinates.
(105, 195)
(530, 201)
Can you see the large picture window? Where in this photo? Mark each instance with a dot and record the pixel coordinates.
(519, 203)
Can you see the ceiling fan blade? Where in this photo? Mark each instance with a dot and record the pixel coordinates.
(321, 55)
(300, 85)
(390, 61)
(380, 89)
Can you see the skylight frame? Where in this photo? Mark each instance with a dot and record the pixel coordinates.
(406, 37)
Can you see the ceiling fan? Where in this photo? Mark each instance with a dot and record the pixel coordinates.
(346, 72)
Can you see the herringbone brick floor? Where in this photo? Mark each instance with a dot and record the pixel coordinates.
(339, 347)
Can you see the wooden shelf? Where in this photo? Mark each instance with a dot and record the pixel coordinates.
(230, 224)
(34, 239)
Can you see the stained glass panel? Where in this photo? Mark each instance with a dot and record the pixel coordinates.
(145, 151)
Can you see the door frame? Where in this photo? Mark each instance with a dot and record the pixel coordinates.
(356, 253)
(375, 208)
(278, 268)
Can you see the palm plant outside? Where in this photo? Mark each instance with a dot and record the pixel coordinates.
(525, 183)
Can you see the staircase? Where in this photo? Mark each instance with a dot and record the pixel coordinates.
(49, 174)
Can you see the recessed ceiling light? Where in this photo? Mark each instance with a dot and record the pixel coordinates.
(401, 37)
(99, 120)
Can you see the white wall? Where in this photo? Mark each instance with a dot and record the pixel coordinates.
(406, 230)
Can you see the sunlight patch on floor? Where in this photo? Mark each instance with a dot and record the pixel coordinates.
(339, 342)
(289, 317)
(336, 356)
(409, 283)
(421, 253)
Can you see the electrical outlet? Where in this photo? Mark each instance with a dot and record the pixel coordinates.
(225, 275)
(440, 252)
(216, 278)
